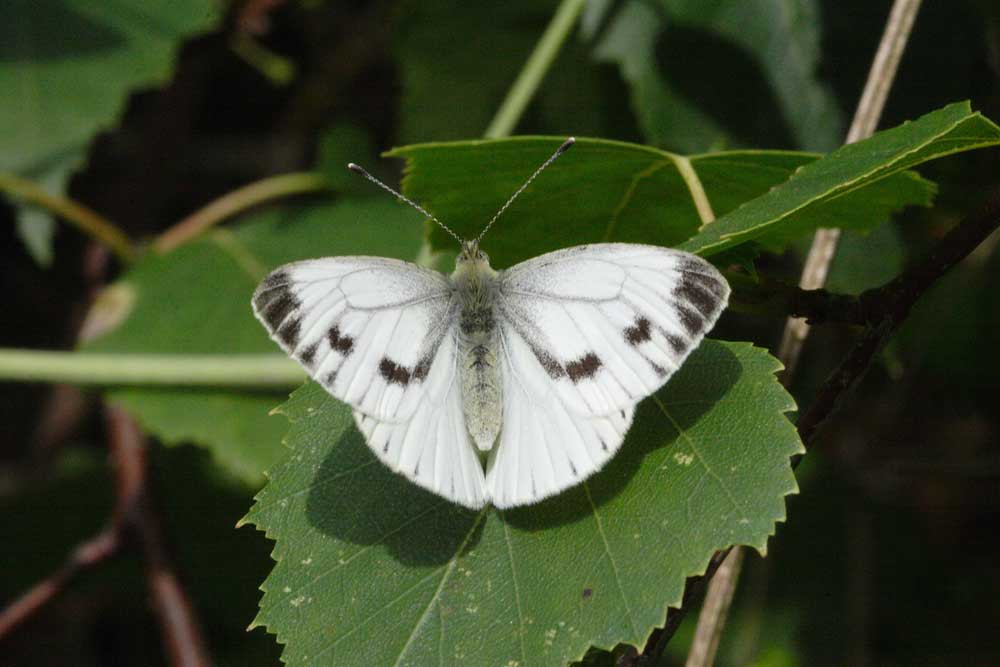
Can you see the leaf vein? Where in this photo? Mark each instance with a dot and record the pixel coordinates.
(614, 565)
(517, 594)
(448, 569)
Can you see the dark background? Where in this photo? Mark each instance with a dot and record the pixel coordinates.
(889, 555)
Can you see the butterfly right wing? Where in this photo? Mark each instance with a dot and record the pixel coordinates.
(378, 334)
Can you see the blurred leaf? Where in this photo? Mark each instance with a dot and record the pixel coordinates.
(66, 66)
(199, 508)
(370, 564)
(848, 174)
(35, 225)
(864, 261)
(196, 299)
(608, 191)
(338, 145)
(950, 336)
(80, 486)
(458, 59)
(675, 53)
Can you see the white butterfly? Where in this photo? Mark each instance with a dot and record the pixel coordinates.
(500, 387)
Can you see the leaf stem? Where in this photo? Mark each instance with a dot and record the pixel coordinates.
(83, 218)
(263, 371)
(535, 68)
(236, 202)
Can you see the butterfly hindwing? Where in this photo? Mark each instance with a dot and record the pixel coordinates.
(586, 333)
(432, 448)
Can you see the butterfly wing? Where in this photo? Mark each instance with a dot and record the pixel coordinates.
(585, 334)
(366, 328)
(433, 448)
(378, 334)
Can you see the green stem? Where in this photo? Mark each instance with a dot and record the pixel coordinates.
(238, 201)
(535, 68)
(263, 371)
(86, 220)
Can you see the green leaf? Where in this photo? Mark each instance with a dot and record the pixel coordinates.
(846, 175)
(196, 299)
(674, 53)
(453, 84)
(69, 64)
(609, 191)
(370, 564)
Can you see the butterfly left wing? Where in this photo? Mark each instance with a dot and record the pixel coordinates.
(366, 328)
(585, 334)
(432, 448)
(377, 334)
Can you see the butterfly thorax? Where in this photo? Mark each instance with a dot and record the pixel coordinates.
(475, 285)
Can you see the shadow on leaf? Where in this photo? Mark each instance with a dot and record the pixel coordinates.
(355, 498)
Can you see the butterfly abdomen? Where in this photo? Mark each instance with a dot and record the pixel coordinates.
(477, 339)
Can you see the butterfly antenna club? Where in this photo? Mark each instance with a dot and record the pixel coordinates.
(552, 158)
(358, 169)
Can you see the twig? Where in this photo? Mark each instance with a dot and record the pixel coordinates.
(236, 202)
(87, 220)
(866, 116)
(885, 309)
(178, 624)
(87, 555)
(897, 299)
(880, 78)
(893, 302)
(716, 608)
(816, 306)
(131, 519)
(535, 68)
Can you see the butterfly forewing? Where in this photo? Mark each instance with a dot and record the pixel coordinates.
(366, 328)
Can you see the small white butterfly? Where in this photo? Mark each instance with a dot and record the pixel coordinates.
(538, 367)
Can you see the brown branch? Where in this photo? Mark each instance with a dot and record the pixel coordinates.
(895, 300)
(179, 627)
(87, 555)
(884, 309)
(817, 306)
(866, 116)
(132, 520)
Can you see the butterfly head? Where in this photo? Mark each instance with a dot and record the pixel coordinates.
(472, 257)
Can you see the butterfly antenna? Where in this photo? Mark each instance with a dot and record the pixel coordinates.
(559, 151)
(361, 170)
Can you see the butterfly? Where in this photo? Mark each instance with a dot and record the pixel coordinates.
(502, 387)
